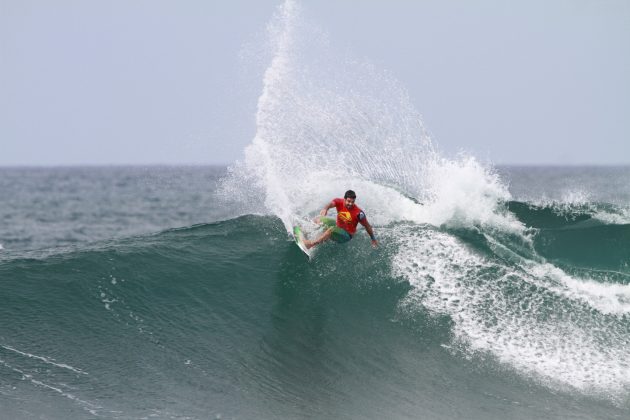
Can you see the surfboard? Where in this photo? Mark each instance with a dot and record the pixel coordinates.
(299, 240)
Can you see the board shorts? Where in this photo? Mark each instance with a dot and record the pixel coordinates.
(339, 235)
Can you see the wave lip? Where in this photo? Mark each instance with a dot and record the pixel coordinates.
(584, 235)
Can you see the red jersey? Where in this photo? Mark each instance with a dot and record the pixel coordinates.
(347, 219)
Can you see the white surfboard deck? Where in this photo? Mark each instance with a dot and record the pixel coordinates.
(299, 240)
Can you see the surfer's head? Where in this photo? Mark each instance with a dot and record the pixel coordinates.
(349, 198)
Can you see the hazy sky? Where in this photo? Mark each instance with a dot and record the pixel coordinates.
(100, 82)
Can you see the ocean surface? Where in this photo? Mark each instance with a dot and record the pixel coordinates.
(178, 292)
(130, 292)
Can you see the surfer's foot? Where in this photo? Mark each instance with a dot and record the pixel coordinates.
(308, 244)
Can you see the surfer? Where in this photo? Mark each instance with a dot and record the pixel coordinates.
(349, 215)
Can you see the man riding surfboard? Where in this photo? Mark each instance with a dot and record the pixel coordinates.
(349, 215)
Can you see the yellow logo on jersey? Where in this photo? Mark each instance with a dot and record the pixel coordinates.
(345, 216)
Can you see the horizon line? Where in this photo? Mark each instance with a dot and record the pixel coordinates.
(226, 164)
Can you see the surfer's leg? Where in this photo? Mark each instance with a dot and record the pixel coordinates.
(324, 237)
(325, 221)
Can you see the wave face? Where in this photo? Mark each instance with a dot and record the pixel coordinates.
(229, 319)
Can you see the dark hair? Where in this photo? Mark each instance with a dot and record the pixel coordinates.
(350, 194)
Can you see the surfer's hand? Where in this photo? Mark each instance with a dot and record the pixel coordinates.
(323, 212)
(374, 244)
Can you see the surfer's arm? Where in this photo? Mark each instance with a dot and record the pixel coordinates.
(324, 211)
(370, 231)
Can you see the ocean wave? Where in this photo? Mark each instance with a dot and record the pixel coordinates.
(518, 310)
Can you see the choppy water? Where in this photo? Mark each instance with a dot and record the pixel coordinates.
(47, 207)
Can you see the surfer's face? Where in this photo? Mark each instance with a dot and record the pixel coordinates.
(349, 202)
